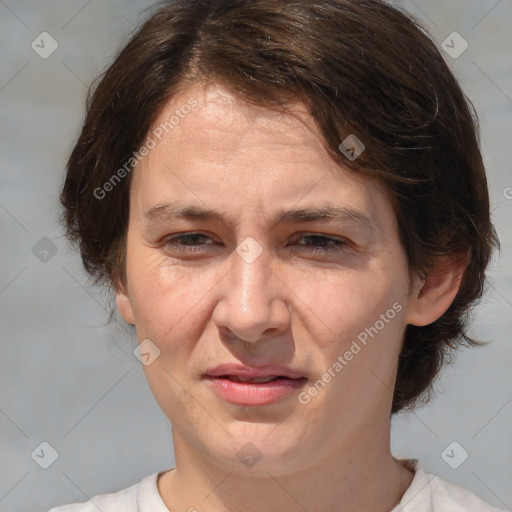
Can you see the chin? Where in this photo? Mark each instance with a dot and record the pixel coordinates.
(257, 451)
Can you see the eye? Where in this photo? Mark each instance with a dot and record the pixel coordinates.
(185, 242)
(195, 242)
(323, 244)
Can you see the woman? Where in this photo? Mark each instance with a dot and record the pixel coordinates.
(289, 203)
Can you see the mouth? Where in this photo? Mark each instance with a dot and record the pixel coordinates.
(254, 380)
(255, 391)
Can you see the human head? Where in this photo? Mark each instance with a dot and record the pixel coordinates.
(361, 68)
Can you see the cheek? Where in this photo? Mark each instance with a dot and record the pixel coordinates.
(167, 299)
(161, 299)
(172, 303)
(365, 315)
(344, 305)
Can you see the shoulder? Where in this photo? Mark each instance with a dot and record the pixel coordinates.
(448, 496)
(125, 499)
(430, 493)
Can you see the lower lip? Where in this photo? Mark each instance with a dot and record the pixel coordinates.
(242, 393)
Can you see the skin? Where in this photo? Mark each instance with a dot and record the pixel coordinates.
(293, 305)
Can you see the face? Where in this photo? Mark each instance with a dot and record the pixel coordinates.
(265, 280)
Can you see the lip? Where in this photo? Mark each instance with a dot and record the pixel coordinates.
(254, 394)
(242, 393)
(240, 370)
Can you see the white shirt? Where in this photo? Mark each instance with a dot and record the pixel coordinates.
(427, 493)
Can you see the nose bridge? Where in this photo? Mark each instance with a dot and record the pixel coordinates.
(253, 300)
(252, 277)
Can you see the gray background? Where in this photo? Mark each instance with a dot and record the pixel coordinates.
(69, 379)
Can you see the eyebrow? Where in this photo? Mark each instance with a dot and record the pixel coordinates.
(175, 210)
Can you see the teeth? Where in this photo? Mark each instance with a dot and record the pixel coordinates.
(256, 380)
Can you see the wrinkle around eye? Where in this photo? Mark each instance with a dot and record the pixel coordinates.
(327, 249)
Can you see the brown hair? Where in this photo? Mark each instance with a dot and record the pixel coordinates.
(361, 67)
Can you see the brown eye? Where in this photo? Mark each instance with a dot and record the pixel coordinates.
(185, 242)
(323, 244)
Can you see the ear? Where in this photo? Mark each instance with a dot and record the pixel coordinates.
(124, 305)
(434, 295)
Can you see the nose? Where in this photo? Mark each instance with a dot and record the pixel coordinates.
(253, 302)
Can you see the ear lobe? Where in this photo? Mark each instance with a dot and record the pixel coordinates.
(124, 306)
(435, 295)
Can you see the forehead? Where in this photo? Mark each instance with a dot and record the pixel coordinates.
(227, 124)
(217, 149)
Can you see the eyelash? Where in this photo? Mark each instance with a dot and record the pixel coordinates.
(334, 246)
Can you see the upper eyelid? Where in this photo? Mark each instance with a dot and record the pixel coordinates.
(301, 234)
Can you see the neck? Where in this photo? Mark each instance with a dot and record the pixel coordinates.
(355, 477)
